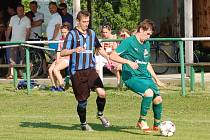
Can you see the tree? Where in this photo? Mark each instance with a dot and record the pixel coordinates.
(122, 17)
(26, 5)
(115, 12)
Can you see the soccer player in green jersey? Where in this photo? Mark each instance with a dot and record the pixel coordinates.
(138, 74)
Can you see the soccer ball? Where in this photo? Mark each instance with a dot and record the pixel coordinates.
(167, 128)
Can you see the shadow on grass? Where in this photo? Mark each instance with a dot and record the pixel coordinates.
(96, 127)
(48, 125)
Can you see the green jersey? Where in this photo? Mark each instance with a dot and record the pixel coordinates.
(131, 49)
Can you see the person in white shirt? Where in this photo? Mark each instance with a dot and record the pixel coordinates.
(37, 20)
(54, 24)
(20, 27)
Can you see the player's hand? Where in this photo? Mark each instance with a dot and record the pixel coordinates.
(133, 65)
(160, 84)
(79, 49)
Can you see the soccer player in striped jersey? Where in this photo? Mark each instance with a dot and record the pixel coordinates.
(80, 44)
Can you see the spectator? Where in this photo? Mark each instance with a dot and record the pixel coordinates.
(124, 33)
(2, 36)
(37, 19)
(54, 24)
(59, 64)
(67, 19)
(11, 11)
(108, 47)
(20, 27)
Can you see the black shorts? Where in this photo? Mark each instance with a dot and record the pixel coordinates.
(83, 81)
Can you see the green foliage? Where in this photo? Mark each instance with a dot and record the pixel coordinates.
(103, 13)
(119, 13)
(83, 4)
(70, 5)
(26, 5)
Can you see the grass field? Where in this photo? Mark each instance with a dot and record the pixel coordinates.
(44, 115)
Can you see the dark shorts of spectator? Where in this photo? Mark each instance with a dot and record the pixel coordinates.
(83, 81)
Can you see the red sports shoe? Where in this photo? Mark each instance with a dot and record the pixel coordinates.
(156, 128)
(143, 126)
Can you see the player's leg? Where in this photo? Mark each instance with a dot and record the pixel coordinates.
(141, 87)
(101, 102)
(94, 81)
(156, 106)
(81, 111)
(145, 106)
(81, 92)
(157, 110)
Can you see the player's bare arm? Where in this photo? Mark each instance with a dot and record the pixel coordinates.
(56, 31)
(115, 57)
(151, 70)
(103, 53)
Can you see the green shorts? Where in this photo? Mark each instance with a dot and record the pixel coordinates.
(140, 85)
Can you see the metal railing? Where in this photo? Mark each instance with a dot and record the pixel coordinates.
(180, 41)
(27, 46)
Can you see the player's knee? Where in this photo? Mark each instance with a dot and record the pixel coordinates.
(82, 104)
(157, 100)
(148, 93)
(101, 92)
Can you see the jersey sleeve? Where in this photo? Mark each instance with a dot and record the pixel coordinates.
(59, 20)
(28, 23)
(97, 43)
(68, 41)
(122, 47)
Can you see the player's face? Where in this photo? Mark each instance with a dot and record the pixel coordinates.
(105, 33)
(145, 34)
(83, 23)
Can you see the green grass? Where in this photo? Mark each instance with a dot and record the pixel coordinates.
(52, 116)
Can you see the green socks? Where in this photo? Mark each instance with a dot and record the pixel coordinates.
(145, 105)
(157, 109)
